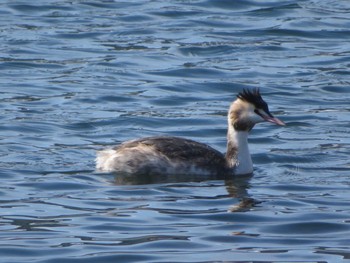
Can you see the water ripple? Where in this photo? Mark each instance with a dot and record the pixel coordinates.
(82, 75)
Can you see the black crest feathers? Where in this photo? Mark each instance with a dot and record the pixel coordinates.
(253, 96)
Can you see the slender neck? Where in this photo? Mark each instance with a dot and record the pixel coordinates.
(238, 155)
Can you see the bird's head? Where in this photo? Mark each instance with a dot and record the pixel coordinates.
(249, 109)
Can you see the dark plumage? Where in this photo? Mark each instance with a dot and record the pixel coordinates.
(178, 150)
(253, 96)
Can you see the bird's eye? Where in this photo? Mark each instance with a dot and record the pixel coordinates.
(257, 112)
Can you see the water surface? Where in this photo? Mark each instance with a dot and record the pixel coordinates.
(78, 76)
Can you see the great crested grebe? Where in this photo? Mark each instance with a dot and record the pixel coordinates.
(173, 155)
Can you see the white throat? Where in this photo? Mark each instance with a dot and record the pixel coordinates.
(241, 162)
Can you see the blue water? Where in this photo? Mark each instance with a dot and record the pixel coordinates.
(78, 76)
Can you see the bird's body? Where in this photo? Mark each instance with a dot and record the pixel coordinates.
(163, 155)
(173, 155)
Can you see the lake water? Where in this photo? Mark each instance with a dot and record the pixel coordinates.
(79, 76)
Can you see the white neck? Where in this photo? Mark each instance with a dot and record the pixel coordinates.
(241, 161)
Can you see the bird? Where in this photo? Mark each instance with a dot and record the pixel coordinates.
(168, 155)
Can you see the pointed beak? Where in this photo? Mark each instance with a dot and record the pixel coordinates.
(273, 120)
(267, 116)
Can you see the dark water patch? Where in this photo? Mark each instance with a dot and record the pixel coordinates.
(20, 64)
(342, 34)
(274, 9)
(299, 188)
(37, 8)
(114, 98)
(78, 35)
(328, 7)
(104, 257)
(213, 49)
(236, 5)
(308, 228)
(343, 252)
(174, 13)
(135, 18)
(335, 89)
(109, 4)
(54, 186)
(175, 101)
(188, 72)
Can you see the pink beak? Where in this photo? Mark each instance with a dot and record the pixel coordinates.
(274, 120)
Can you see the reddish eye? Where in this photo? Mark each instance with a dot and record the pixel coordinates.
(257, 112)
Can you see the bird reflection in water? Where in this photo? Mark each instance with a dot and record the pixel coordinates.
(236, 187)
